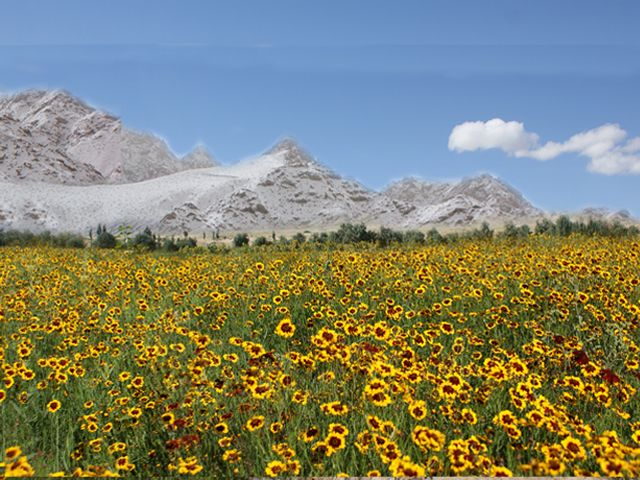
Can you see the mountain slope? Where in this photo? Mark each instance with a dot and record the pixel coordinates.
(471, 199)
(67, 166)
(51, 136)
(283, 188)
(34, 131)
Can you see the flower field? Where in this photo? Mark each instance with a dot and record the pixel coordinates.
(486, 358)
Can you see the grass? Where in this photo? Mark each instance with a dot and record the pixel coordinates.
(160, 361)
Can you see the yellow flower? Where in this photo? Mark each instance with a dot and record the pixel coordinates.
(573, 449)
(255, 423)
(135, 412)
(275, 427)
(12, 453)
(469, 416)
(505, 419)
(53, 406)
(498, 471)
(334, 443)
(427, 438)
(334, 408)
(285, 328)
(418, 409)
(189, 466)
(404, 467)
(338, 429)
(300, 396)
(309, 434)
(275, 468)
(122, 463)
(221, 428)
(231, 456)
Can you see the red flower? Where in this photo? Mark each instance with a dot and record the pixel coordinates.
(580, 357)
(609, 376)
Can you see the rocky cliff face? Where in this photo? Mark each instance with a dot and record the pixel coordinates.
(471, 199)
(284, 188)
(53, 137)
(67, 166)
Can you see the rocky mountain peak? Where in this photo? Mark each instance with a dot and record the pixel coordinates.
(482, 196)
(199, 157)
(34, 104)
(294, 155)
(53, 136)
(49, 139)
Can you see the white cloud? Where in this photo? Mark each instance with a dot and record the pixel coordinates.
(603, 145)
(496, 133)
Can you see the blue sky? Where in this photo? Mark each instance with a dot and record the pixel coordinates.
(373, 89)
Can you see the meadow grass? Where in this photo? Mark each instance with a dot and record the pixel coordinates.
(479, 358)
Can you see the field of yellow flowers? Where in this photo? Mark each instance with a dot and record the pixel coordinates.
(477, 358)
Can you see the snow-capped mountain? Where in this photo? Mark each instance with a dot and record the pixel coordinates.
(65, 166)
(199, 157)
(478, 198)
(283, 188)
(51, 136)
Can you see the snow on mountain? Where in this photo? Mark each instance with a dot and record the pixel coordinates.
(65, 166)
(599, 214)
(284, 188)
(51, 136)
(482, 197)
(199, 157)
(35, 128)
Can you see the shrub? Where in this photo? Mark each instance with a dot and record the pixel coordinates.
(105, 240)
(350, 233)
(283, 240)
(299, 238)
(434, 237)
(386, 237)
(186, 243)
(169, 245)
(260, 241)
(545, 226)
(240, 240)
(322, 237)
(564, 226)
(513, 232)
(145, 240)
(415, 237)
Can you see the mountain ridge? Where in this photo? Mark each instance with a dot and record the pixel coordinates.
(67, 166)
(55, 137)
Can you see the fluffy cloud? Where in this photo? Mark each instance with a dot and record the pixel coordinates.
(604, 145)
(496, 133)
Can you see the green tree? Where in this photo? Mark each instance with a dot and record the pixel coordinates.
(240, 240)
(105, 239)
(386, 237)
(545, 226)
(415, 237)
(299, 238)
(145, 240)
(564, 226)
(260, 241)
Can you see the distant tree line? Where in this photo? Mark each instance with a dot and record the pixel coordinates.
(564, 227)
(347, 233)
(103, 238)
(30, 239)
